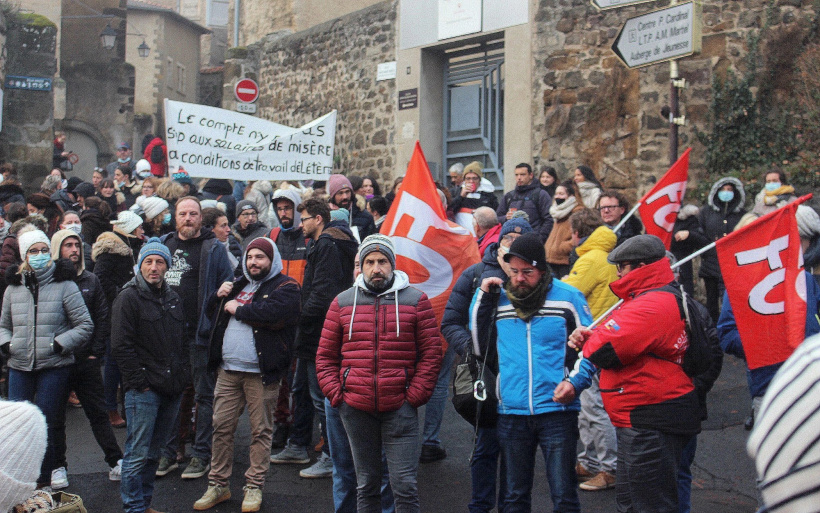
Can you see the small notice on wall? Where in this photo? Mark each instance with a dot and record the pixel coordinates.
(458, 17)
(386, 71)
(409, 99)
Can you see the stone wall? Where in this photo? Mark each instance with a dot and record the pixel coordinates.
(589, 108)
(331, 66)
(28, 116)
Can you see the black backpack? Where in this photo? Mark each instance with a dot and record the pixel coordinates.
(157, 155)
(698, 356)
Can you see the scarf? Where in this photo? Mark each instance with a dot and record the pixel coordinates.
(527, 306)
(562, 211)
(772, 197)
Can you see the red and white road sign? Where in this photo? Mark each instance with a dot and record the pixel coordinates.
(246, 90)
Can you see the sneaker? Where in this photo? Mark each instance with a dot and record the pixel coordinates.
(115, 474)
(601, 481)
(291, 454)
(166, 465)
(431, 453)
(582, 473)
(196, 469)
(253, 499)
(280, 436)
(213, 496)
(322, 468)
(59, 478)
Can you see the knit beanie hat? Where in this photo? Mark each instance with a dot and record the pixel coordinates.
(380, 243)
(263, 244)
(85, 189)
(127, 221)
(515, 225)
(182, 176)
(245, 205)
(73, 182)
(340, 214)
(22, 447)
(808, 222)
(153, 206)
(143, 168)
(336, 183)
(530, 249)
(30, 238)
(154, 246)
(474, 167)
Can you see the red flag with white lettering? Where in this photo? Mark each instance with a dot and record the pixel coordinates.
(762, 267)
(432, 250)
(659, 207)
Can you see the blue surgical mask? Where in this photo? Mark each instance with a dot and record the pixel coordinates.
(166, 219)
(123, 161)
(39, 260)
(772, 186)
(726, 196)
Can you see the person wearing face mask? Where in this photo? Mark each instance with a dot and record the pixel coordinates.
(125, 157)
(158, 219)
(723, 209)
(776, 192)
(71, 221)
(123, 180)
(559, 243)
(49, 324)
(485, 461)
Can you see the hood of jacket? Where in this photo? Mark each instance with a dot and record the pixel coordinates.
(263, 186)
(275, 266)
(524, 189)
(400, 282)
(736, 205)
(603, 239)
(296, 198)
(58, 270)
(688, 211)
(637, 281)
(110, 242)
(218, 186)
(57, 241)
(485, 186)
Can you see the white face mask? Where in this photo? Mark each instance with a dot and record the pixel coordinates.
(74, 227)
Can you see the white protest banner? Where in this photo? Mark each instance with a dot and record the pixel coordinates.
(217, 143)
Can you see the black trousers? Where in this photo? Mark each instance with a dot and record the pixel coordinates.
(714, 293)
(646, 476)
(86, 381)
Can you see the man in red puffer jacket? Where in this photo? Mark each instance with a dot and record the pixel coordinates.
(378, 361)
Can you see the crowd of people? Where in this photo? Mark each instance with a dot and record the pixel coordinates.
(168, 305)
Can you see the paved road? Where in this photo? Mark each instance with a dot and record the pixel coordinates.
(723, 473)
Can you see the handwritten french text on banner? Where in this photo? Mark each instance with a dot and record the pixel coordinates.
(218, 143)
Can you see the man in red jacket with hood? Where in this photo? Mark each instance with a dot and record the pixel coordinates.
(378, 361)
(649, 398)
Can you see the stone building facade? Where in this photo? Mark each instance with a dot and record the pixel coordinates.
(561, 96)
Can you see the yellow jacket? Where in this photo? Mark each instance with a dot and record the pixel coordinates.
(592, 274)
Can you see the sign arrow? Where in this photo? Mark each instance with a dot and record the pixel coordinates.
(662, 35)
(603, 5)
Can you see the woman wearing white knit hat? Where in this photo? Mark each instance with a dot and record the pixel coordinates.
(22, 446)
(44, 318)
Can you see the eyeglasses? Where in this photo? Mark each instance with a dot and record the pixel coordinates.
(284, 209)
(38, 251)
(248, 214)
(608, 208)
(308, 217)
(525, 272)
(472, 179)
(621, 265)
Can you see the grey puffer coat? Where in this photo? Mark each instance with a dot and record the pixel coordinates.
(44, 318)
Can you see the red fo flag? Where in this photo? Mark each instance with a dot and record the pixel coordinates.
(659, 207)
(762, 266)
(432, 250)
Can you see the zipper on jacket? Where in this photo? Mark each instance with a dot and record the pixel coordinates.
(344, 379)
(376, 358)
(529, 365)
(406, 379)
(612, 390)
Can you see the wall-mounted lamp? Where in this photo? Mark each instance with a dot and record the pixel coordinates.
(108, 37)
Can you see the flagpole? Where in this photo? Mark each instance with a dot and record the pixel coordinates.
(626, 217)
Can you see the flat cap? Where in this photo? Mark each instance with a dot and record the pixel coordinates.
(640, 248)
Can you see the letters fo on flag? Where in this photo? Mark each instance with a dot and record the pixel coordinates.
(432, 250)
(762, 267)
(659, 207)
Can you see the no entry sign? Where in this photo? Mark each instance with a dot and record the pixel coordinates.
(246, 90)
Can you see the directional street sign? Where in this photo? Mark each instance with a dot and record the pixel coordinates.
(611, 4)
(246, 90)
(669, 33)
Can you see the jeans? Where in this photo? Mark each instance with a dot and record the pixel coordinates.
(306, 390)
(344, 472)
(484, 471)
(685, 475)
(646, 480)
(234, 391)
(150, 418)
(600, 445)
(557, 435)
(50, 389)
(396, 433)
(111, 380)
(86, 380)
(434, 411)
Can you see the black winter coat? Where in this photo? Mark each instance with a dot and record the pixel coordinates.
(329, 271)
(148, 339)
(631, 228)
(97, 305)
(533, 200)
(114, 258)
(718, 219)
(273, 313)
